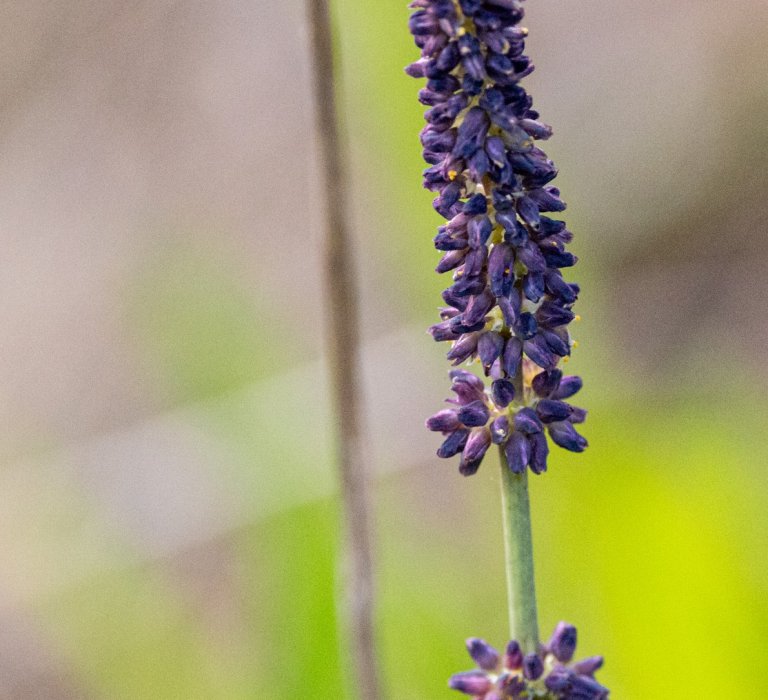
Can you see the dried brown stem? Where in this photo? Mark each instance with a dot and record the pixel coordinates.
(343, 338)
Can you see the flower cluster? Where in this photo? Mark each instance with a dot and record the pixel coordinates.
(508, 307)
(547, 674)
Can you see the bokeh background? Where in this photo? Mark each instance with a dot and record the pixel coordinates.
(169, 509)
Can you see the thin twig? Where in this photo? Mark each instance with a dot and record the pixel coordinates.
(357, 608)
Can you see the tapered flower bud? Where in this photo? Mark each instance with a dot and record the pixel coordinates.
(485, 656)
(476, 446)
(444, 421)
(533, 667)
(563, 642)
(454, 443)
(474, 414)
(471, 683)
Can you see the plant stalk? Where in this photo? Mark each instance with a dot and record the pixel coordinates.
(518, 550)
(356, 609)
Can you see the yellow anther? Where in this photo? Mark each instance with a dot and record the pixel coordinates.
(565, 359)
(524, 31)
(452, 174)
(577, 317)
(575, 343)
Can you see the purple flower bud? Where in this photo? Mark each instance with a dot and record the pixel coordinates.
(468, 286)
(503, 392)
(536, 129)
(499, 430)
(533, 667)
(467, 386)
(497, 152)
(471, 57)
(518, 452)
(470, 683)
(421, 23)
(547, 199)
(474, 451)
(526, 326)
(567, 388)
(440, 142)
(510, 309)
(444, 421)
(555, 285)
(478, 165)
(474, 414)
(452, 259)
(455, 300)
(587, 688)
(484, 655)
(526, 421)
(556, 344)
(556, 259)
(489, 348)
(539, 452)
(578, 415)
(475, 262)
(563, 642)
(550, 314)
(513, 657)
(559, 680)
(530, 255)
(538, 350)
(529, 212)
(471, 133)
(457, 325)
(463, 348)
(501, 272)
(588, 666)
(446, 240)
(533, 286)
(513, 353)
(565, 435)
(479, 231)
(453, 444)
(478, 307)
(416, 69)
(550, 411)
(448, 58)
(476, 204)
(545, 383)
(442, 331)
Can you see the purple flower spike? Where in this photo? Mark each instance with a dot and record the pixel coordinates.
(547, 673)
(508, 305)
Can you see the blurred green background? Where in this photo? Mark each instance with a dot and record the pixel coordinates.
(169, 506)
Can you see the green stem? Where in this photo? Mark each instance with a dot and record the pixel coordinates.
(518, 548)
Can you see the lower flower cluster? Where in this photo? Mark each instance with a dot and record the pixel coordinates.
(483, 417)
(549, 674)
